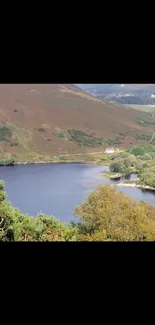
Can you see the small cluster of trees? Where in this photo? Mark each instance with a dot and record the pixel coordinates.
(124, 165)
(140, 159)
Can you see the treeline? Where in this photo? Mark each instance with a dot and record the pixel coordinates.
(107, 215)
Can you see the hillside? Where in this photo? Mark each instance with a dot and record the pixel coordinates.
(43, 121)
(140, 94)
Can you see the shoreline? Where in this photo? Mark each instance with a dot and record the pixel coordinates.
(145, 187)
(54, 162)
(48, 162)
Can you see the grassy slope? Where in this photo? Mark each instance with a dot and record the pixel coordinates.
(55, 108)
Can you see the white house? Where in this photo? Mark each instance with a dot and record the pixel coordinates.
(109, 150)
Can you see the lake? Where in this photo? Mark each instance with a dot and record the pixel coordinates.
(56, 189)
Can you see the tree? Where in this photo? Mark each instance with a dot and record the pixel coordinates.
(118, 167)
(130, 161)
(139, 165)
(138, 151)
(108, 215)
(147, 177)
(146, 156)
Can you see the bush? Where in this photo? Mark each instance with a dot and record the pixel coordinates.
(41, 130)
(115, 142)
(7, 162)
(138, 151)
(146, 156)
(5, 133)
(15, 226)
(145, 137)
(84, 139)
(14, 144)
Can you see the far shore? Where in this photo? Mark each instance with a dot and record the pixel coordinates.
(69, 161)
(50, 162)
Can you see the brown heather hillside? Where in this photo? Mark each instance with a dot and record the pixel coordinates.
(41, 121)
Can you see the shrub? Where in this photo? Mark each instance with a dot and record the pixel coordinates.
(146, 156)
(5, 133)
(14, 144)
(84, 139)
(7, 162)
(115, 142)
(145, 137)
(41, 130)
(138, 151)
(15, 226)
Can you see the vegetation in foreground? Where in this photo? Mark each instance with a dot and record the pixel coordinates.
(107, 215)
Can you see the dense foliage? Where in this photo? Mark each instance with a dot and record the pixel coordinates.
(108, 215)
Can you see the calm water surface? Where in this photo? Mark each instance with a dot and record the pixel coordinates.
(56, 189)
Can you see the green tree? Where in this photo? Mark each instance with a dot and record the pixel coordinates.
(118, 167)
(147, 177)
(146, 156)
(137, 151)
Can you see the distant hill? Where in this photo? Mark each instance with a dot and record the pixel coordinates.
(141, 94)
(38, 121)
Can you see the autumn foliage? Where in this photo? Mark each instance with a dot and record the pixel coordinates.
(109, 215)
